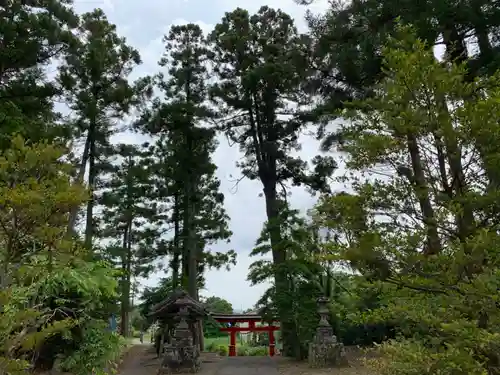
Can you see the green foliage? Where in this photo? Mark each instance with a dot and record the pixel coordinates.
(216, 347)
(97, 353)
(221, 347)
(422, 239)
(35, 191)
(218, 305)
(49, 289)
(154, 295)
(94, 75)
(180, 160)
(215, 305)
(26, 97)
(257, 351)
(309, 278)
(212, 343)
(138, 321)
(16, 329)
(261, 62)
(222, 350)
(445, 268)
(127, 223)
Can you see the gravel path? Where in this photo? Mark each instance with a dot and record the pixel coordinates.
(141, 360)
(248, 366)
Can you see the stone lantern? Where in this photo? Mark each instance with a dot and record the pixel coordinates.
(325, 350)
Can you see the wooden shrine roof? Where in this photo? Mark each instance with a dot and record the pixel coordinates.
(176, 300)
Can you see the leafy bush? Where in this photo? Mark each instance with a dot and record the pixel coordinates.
(23, 330)
(97, 353)
(242, 350)
(49, 288)
(211, 347)
(258, 351)
(216, 347)
(222, 350)
(411, 357)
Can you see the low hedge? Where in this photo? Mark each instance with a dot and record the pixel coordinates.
(241, 350)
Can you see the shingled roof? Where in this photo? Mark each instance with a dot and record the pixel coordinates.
(177, 299)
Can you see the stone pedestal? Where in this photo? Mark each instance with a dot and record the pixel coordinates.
(182, 355)
(325, 350)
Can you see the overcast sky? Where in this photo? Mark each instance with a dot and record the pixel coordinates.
(144, 23)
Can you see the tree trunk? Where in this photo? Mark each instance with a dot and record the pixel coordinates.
(184, 276)
(290, 345)
(79, 181)
(201, 336)
(126, 297)
(89, 228)
(176, 248)
(419, 183)
(464, 218)
(124, 303)
(265, 152)
(190, 248)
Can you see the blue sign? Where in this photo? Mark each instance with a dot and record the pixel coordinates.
(112, 323)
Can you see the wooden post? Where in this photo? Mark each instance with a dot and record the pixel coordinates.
(271, 341)
(160, 349)
(200, 335)
(232, 344)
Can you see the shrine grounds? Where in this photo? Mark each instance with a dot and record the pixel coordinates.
(141, 360)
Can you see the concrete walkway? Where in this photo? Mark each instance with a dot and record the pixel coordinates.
(247, 366)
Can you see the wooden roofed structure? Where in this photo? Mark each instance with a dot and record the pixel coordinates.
(179, 342)
(176, 301)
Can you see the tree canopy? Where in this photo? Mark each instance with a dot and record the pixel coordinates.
(402, 237)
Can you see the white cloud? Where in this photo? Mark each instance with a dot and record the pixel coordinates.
(108, 5)
(232, 285)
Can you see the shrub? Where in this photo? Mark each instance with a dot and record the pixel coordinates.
(242, 350)
(212, 347)
(97, 353)
(258, 351)
(222, 350)
(50, 289)
(215, 347)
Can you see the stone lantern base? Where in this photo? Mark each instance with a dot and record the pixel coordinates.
(325, 350)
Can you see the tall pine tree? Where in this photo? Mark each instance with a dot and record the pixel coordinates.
(261, 62)
(95, 74)
(128, 220)
(33, 34)
(184, 146)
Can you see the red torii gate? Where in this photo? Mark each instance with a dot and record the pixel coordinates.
(251, 319)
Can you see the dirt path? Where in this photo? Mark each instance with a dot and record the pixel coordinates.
(248, 366)
(141, 360)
